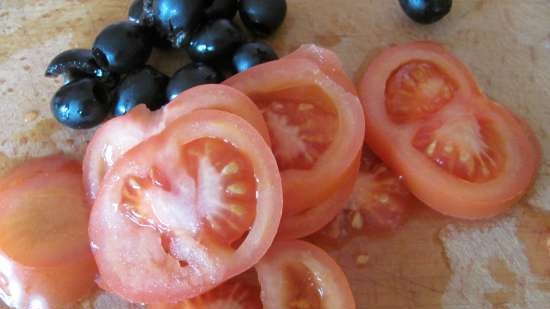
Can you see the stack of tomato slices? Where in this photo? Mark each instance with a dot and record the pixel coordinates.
(200, 204)
(194, 194)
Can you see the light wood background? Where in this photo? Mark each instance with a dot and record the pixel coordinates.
(431, 262)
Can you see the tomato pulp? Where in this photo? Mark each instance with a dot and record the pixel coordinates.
(186, 209)
(117, 136)
(458, 151)
(316, 125)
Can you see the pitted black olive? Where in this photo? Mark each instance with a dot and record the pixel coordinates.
(191, 75)
(215, 41)
(222, 9)
(122, 47)
(146, 86)
(175, 19)
(76, 62)
(81, 104)
(262, 17)
(252, 54)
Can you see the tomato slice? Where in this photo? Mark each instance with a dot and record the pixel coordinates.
(241, 292)
(118, 135)
(317, 127)
(45, 258)
(297, 274)
(186, 209)
(458, 152)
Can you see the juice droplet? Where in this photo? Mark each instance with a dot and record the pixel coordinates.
(30, 116)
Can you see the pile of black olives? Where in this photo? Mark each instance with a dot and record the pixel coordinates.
(112, 77)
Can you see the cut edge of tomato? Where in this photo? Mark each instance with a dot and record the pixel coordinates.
(348, 139)
(314, 219)
(208, 97)
(486, 199)
(326, 273)
(327, 61)
(221, 125)
(140, 124)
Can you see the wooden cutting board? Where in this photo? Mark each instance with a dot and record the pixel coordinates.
(430, 262)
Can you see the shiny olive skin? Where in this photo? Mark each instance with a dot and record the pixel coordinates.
(146, 86)
(262, 17)
(77, 61)
(175, 19)
(222, 9)
(82, 104)
(122, 47)
(191, 75)
(136, 15)
(135, 12)
(426, 11)
(252, 54)
(215, 41)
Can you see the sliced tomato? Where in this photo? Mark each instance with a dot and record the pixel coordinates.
(458, 152)
(380, 200)
(241, 292)
(45, 258)
(118, 135)
(316, 126)
(186, 209)
(297, 274)
(327, 61)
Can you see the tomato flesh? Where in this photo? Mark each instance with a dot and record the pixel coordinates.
(117, 136)
(416, 90)
(458, 151)
(45, 258)
(464, 146)
(195, 205)
(296, 274)
(316, 125)
(301, 131)
(225, 201)
(241, 292)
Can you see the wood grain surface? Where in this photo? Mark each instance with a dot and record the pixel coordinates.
(430, 262)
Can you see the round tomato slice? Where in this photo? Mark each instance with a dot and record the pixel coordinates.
(118, 135)
(186, 209)
(45, 258)
(316, 126)
(458, 152)
(297, 274)
(241, 292)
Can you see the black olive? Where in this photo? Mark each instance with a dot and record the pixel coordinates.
(175, 19)
(262, 17)
(215, 41)
(82, 104)
(72, 76)
(252, 54)
(76, 61)
(222, 9)
(135, 13)
(144, 86)
(122, 47)
(191, 75)
(426, 11)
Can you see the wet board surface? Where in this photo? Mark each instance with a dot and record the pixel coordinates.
(430, 262)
